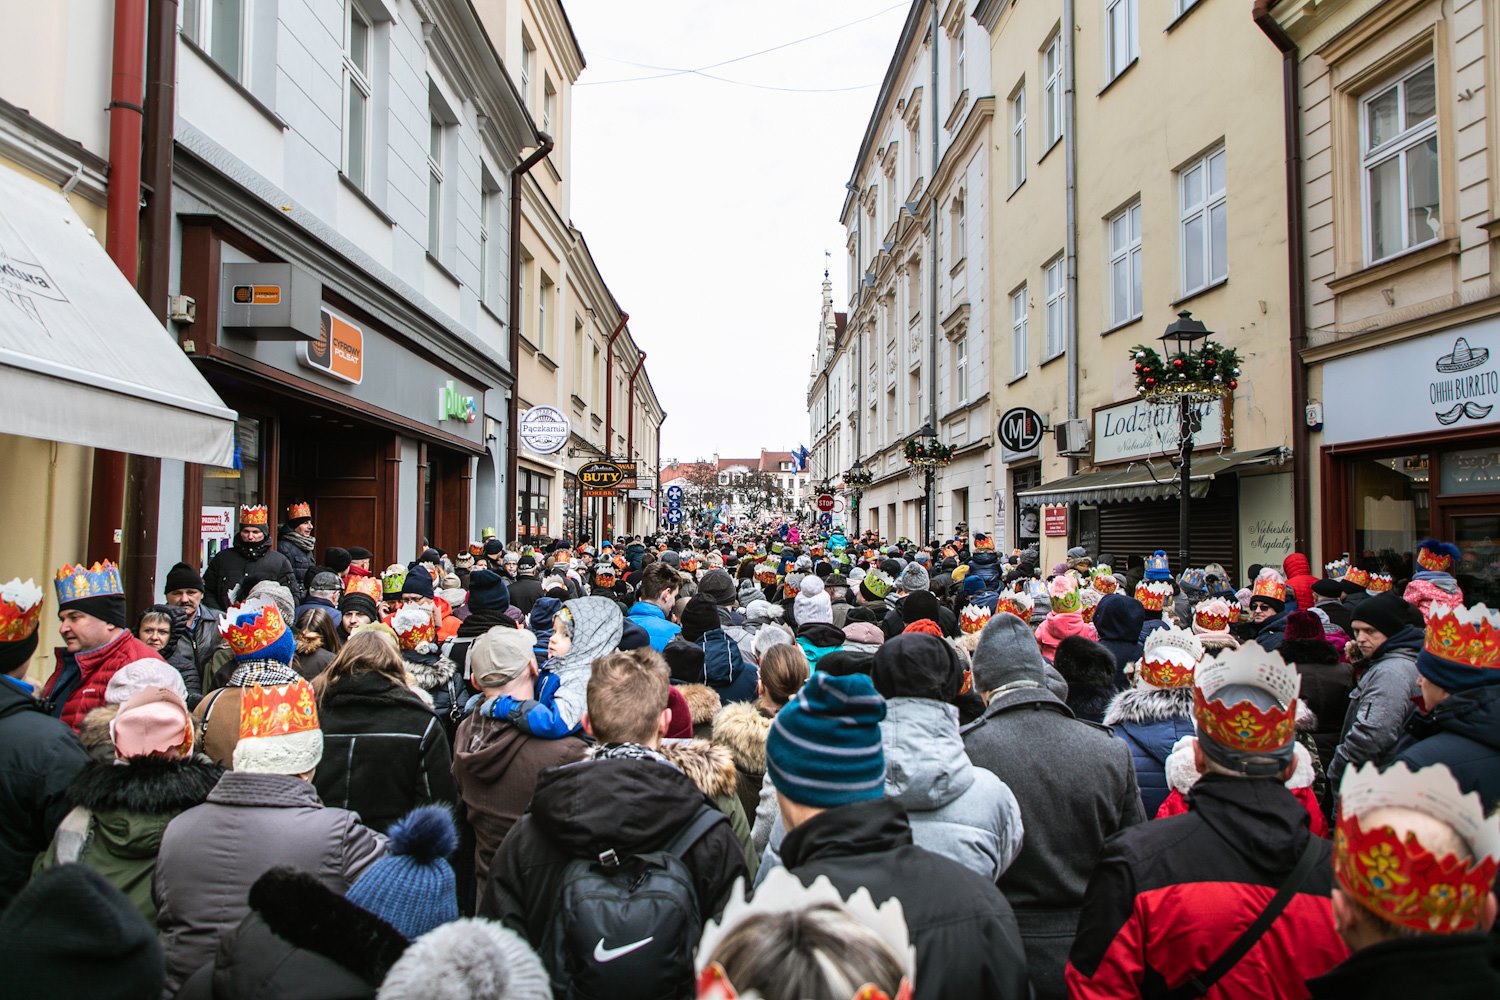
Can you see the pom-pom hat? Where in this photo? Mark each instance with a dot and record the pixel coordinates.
(1461, 650)
(1437, 557)
(1157, 567)
(255, 630)
(279, 731)
(1245, 709)
(411, 887)
(1395, 876)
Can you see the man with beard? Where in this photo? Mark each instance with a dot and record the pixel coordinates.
(250, 555)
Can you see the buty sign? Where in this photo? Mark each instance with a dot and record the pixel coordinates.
(601, 479)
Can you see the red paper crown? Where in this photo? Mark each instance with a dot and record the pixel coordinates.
(20, 609)
(973, 618)
(367, 585)
(1269, 587)
(1434, 560)
(1358, 577)
(1380, 583)
(1103, 579)
(1394, 876)
(1469, 637)
(416, 634)
(300, 509)
(1012, 603)
(1161, 669)
(984, 543)
(1235, 611)
(1153, 594)
(1212, 615)
(251, 627)
(254, 515)
(278, 711)
(1241, 726)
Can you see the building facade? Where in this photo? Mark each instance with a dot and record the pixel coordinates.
(733, 479)
(1395, 118)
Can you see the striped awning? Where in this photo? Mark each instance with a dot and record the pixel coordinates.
(1149, 480)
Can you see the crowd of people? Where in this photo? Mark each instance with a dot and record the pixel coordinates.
(769, 764)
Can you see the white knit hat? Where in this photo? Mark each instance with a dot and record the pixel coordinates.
(279, 731)
(138, 675)
(471, 959)
(811, 603)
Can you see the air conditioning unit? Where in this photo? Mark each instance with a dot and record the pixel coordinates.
(1072, 437)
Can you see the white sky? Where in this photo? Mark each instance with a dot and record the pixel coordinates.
(708, 206)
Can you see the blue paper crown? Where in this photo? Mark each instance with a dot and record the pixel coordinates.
(1156, 566)
(74, 583)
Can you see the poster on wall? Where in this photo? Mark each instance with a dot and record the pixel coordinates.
(1055, 521)
(998, 534)
(216, 530)
(1028, 527)
(1266, 525)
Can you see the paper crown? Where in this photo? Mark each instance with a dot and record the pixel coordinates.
(1016, 603)
(1269, 587)
(1103, 579)
(1337, 569)
(1063, 592)
(1091, 599)
(299, 510)
(620, 562)
(604, 569)
(1193, 579)
(690, 564)
(278, 711)
(254, 515)
(766, 572)
(1158, 566)
(973, 618)
(74, 583)
(251, 627)
(1169, 659)
(393, 579)
(1212, 615)
(984, 543)
(1466, 637)
(476, 550)
(1380, 583)
(877, 583)
(367, 585)
(20, 609)
(414, 628)
(1153, 594)
(1436, 556)
(1358, 577)
(1235, 611)
(1241, 726)
(1395, 876)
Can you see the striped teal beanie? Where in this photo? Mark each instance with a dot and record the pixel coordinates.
(824, 748)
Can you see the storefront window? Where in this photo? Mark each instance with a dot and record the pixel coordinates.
(1476, 470)
(225, 489)
(1029, 518)
(1391, 509)
(1478, 538)
(534, 506)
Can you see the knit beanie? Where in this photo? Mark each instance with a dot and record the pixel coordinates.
(138, 675)
(487, 591)
(337, 559)
(913, 578)
(1386, 614)
(824, 748)
(632, 636)
(1007, 655)
(680, 724)
(471, 959)
(154, 722)
(183, 577)
(811, 603)
(973, 584)
(270, 590)
(1303, 625)
(360, 603)
(70, 933)
(493, 547)
(918, 606)
(411, 887)
(701, 615)
(718, 585)
(918, 666)
(359, 552)
(418, 582)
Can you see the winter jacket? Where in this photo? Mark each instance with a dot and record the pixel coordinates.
(212, 854)
(711, 768)
(439, 677)
(205, 646)
(818, 639)
(1076, 786)
(39, 758)
(957, 810)
(179, 652)
(324, 605)
(1151, 721)
(1429, 589)
(1057, 627)
(1382, 700)
(495, 767)
(725, 669)
(582, 810)
(742, 728)
(1432, 966)
(1326, 684)
(227, 568)
(893, 624)
(1118, 620)
(654, 620)
(1271, 633)
(120, 811)
(963, 930)
(384, 753)
(300, 558)
(77, 686)
(1299, 579)
(525, 591)
(1463, 732)
(1182, 775)
(986, 566)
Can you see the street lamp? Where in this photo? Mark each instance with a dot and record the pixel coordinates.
(924, 453)
(856, 481)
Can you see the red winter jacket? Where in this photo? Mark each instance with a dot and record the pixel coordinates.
(1300, 579)
(1175, 805)
(82, 677)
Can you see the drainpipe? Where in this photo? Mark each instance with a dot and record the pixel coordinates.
(630, 436)
(929, 505)
(609, 382)
(1296, 279)
(1070, 237)
(513, 409)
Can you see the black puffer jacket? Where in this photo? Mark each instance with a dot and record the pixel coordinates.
(384, 752)
(39, 758)
(963, 930)
(180, 651)
(1463, 732)
(229, 567)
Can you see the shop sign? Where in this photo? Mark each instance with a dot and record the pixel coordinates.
(339, 350)
(1020, 431)
(1138, 429)
(453, 405)
(1428, 384)
(271, 301)
(601, 479)
(1266, 526)
(543, 429)
(1055, 521)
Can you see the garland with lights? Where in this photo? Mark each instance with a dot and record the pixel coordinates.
(1212, 371)
(919, 452)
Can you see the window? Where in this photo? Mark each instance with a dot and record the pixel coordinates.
(435, 137)
(1052, 97)
(1122, 44)
(960, 80)
(915, 154)
(1018, 347)
(576, 361)
(1125, 265)
(1183, 6)
(357, 91)
(598, 378)
(913, 289)
(549, 103)
(961, 370)
(218, 28)
(522, 287)
(1057, 306)
(542, 296)
(489, 219)
(958, 228)
(528, 63)
(1205, 223)
(1398, 140)
(1018, 136)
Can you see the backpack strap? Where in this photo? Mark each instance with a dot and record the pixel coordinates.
(703, 821)
(1200, 984)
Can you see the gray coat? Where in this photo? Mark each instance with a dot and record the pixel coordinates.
(1380, 704)
(1076, 787)
(960, 811)
(212, 854)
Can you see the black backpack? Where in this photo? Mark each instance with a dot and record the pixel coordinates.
(625, 927)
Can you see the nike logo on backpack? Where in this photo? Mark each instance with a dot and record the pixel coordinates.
(603, 954)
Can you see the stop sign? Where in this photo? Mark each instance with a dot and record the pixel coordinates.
(825, 502)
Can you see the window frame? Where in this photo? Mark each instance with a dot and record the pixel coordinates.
(1397, 148)
(437, 139)
(1132, 23)
(1052, 94)
(1018, 135)
(961, 369)
(528, 67)
(1056, 305)
(201, 35)
(358, 78)
(545, 285)
(1020, 336)
(549, 102)
(1203, 208)
(1130, 254)
(958, 228)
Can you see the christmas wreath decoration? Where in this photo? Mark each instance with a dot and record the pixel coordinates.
(923, 452)
(1212, 371)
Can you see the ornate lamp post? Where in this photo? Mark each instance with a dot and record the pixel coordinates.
(1192, 369)
(924, 453)
(856, 481)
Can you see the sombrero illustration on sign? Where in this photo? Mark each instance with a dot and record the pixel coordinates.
(1463, 357)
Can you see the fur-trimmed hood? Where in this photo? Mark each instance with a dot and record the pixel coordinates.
(1143, 706)
(93, 732)
(1217, 642)
(428, 670)
(1182, 773)
(702, 701)
(308, 642)
(742, 728)
(153, 786)
(709, 765)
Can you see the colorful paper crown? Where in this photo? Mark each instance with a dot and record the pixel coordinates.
(877, 583)
(1235, 611)
(1103, 579)
(1193, 579)
(604, 569)
(1241, 726)
(1337, 569)
(1436, 556)
(984, 543)
(74, 583)
(1063, 592)
(1466, 637)
(690, 564)
(1090, 598)
(254, 515)
(1380, 583)
(299, 510)
(20, 609)
(1269, 587)
(973, 618)
(414, 628)
(1016, 603)
(393, 579)
(766, 572)
(1157, 566)
(367, 585)
(1391, 873)
(1358, 577)
(1169, 659)
(620, 562)
(252, 627)
(278, 711)
(1153, 594)
(1211, 615)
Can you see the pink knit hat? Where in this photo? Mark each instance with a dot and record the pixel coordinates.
(153, 722)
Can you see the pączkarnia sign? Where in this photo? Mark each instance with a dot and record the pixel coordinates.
(1135, 430)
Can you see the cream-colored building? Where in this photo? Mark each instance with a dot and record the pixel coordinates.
(1395, 118)
(1138, 173)
(577, 352)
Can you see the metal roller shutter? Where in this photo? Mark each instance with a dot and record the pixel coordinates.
(1141, 527)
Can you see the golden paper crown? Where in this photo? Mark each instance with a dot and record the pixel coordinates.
(1012, 603)
(1241, 726)
(300, 509)
(1103, 579)
(1153, 594)
(1436, 556)
(1468, 637)
(367, 585)
(984, 543)
(278, 711)
(254, 515)
(1380, 583)
(20, 609)
(251, 627)
(1358, 577)
(973, 618)
(1211, 615)
(1269, 587)
(73, 583)
(1395, 877)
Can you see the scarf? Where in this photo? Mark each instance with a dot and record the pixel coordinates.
(262, 673)
(628, 751)
(305, 543)
(251, 552)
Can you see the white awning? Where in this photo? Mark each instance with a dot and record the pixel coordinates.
(82, 358)
(1146, 480)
